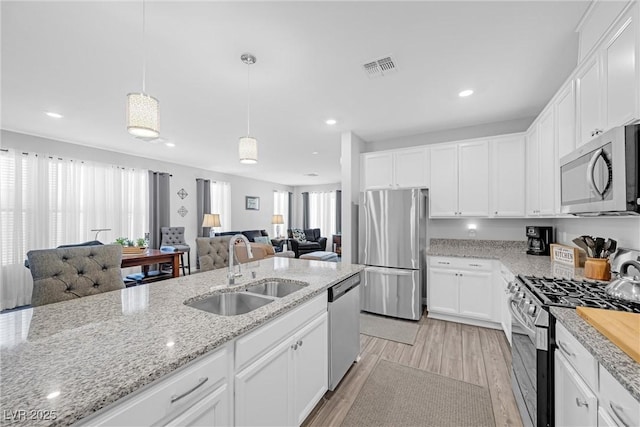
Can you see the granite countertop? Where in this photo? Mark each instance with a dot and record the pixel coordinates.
(98, 349)
(513, 255)
(510, 252)
(617, 362)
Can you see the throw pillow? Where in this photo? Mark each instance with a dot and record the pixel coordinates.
(298, 234)
(262, 239)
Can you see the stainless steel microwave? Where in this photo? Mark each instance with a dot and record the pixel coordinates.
(601, 177)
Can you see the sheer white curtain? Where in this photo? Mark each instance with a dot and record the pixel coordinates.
(322, 211)
(221, 203)
(281, 207)
(46, 202)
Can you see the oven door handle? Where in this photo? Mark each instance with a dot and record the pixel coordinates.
(518, 318)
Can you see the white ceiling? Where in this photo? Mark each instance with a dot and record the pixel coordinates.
(81, 59)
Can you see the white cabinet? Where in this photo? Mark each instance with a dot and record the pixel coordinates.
(282, 387)
(508, 176)
(616, 401)
(565, 106)
(621, 71)
(460, 180)
(395, 169)
(588, 87)
(503, 295)
(194, 395)
(461, 288)
(575, 403)
(542, 177)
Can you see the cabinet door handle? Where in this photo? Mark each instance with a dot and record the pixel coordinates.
(496, 212)
(201, 382)
(475, 265)
(582, 402)
(295, 346)
(615, 409)
(299, 343)
(565, 349)
(444, 262)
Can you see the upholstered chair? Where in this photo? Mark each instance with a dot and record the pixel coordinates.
(174, 236)
(64, 274)
(213, 252)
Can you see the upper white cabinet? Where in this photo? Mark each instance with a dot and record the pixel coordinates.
(508, 176)
(607, 84)
(396, 169)
(542, 162)
(565, 106)
(460, 180)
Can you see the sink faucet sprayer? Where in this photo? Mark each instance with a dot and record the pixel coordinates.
(232, 254)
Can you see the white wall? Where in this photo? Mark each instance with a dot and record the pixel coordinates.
(469, 132)
(182, 177)
(625, 230)
(486, 229)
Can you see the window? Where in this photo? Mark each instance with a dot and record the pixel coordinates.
(221, 203)
(281, 207)
(322, 211)
(46, 202)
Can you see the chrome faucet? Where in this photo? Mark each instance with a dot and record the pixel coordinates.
(232, 254)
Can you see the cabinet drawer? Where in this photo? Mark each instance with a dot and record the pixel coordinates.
(617, 401)
(461, 263)
(167, 397)
(257, 342)
(578, 356)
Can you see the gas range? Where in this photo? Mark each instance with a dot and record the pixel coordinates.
(574, 293)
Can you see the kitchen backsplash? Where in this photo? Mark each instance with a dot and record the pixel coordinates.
(626, 230)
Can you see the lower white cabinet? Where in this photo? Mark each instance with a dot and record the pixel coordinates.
(575, 403)
(211, 410)
(461, 287)
(503, 295)
(282, 387)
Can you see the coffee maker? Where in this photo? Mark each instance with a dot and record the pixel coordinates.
(539, 239)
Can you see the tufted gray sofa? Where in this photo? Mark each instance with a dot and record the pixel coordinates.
(174, 236)
(213, 252)
(63, 274)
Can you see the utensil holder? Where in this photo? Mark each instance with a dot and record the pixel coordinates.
(597, 269)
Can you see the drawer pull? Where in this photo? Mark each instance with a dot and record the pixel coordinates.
(475, 265)
(201, 382)
(565, 349)
(615, 409)
(444, 262)
(580, 402)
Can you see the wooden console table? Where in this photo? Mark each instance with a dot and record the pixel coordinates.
(152, 256)
(337, 244)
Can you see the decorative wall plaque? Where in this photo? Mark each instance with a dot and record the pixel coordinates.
(182, 193)
(183, 211)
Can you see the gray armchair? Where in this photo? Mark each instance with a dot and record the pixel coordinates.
(64, 274)
(213, 252)
(174, 236)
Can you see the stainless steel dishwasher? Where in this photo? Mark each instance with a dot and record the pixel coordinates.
(344, 328)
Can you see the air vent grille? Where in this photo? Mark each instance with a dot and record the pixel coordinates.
(380, 67)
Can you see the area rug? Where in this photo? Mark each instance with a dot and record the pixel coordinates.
(396, 395)
(403, 331)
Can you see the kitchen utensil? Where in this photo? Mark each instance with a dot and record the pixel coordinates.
(581, 244)
(591, 244)
(599, 247)
(612, 247)
(626, 286)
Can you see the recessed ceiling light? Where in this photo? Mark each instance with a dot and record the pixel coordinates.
(170, 144)
(465, 93)
(171, 344)
(53, 394)
(331, 122)
(314, 152)
(54, 115)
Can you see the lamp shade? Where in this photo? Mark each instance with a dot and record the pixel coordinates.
(277, 219)
(211, 220)
(143, 112)
(248, 150)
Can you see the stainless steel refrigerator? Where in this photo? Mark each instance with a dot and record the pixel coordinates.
(392, 244)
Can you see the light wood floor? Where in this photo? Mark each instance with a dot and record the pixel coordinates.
(476, 355)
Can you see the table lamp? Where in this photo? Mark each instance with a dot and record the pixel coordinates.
(211, 221)
(277, 220)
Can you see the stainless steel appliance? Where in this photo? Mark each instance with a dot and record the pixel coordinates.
(533, 337)
(602, 176)
(392, 245)
(344, 328)
(539, 239)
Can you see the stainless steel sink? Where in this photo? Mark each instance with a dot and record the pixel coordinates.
(230, 304)
(276, 288)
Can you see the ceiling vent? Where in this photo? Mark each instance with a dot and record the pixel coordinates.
(380, 67)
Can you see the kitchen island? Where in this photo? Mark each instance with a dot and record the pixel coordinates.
(96, 350)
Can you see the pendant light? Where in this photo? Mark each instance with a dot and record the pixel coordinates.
(143, 110)
(248, 146)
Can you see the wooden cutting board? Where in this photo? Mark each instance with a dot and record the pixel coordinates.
(621, 327)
